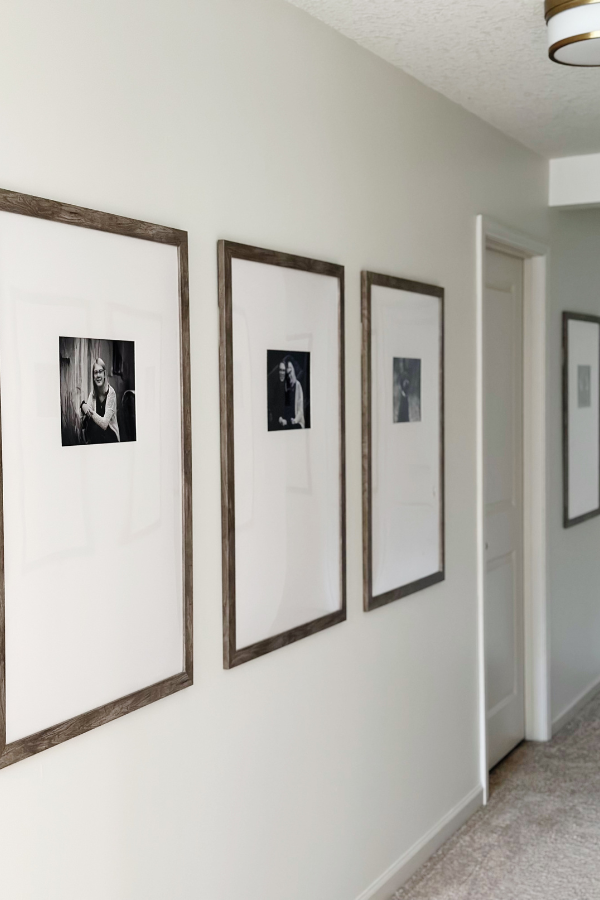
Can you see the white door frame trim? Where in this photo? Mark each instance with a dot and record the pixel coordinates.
(538, 724)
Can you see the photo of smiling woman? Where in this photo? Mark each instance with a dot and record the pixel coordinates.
(100, 411)
(97, 391)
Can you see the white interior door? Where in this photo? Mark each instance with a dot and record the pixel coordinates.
(503, 502)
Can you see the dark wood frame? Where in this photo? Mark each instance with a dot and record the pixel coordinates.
(566, 318)
(37, 207)
(368, 279)
(226, 251)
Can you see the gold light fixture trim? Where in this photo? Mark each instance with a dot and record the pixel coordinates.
(554, 7)
(588, 36)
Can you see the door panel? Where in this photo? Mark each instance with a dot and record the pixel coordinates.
(503, 503)
(500, 631)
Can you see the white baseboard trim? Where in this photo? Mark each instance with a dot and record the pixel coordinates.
(576, 706)
(401, 870)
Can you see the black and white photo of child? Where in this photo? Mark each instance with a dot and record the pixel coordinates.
(407, 390)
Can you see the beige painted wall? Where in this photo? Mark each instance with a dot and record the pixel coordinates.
(304, 774)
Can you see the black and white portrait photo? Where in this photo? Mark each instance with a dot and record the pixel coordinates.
(97, 391)
(407, 390)
(288, 390)
(584, 386)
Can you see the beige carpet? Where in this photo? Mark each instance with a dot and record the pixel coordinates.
(539, 836)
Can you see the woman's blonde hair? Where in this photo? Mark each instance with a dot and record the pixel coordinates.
(98, 362)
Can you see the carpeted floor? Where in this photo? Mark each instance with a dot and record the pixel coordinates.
(539, 836)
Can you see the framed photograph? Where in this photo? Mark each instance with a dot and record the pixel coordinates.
(581, 418)
(95, 501)
(403, 437)
(282, 448)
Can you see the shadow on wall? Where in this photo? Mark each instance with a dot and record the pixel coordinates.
(77, 356)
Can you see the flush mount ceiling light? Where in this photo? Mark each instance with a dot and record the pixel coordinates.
(574, 31)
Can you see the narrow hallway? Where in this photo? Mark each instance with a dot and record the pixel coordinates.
(538, 837)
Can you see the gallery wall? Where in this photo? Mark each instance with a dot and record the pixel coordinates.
(307, 773)
(573, 558)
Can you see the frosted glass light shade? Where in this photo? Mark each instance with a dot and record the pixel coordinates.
(574, 35)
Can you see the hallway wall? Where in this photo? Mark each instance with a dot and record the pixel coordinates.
(304, 774)
(573, 553)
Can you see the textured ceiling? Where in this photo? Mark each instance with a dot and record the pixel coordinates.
(488, 55)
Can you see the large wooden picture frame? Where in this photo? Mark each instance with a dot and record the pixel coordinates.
(403, 429)
(66, 270)
(280, 314)
(581, 417)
